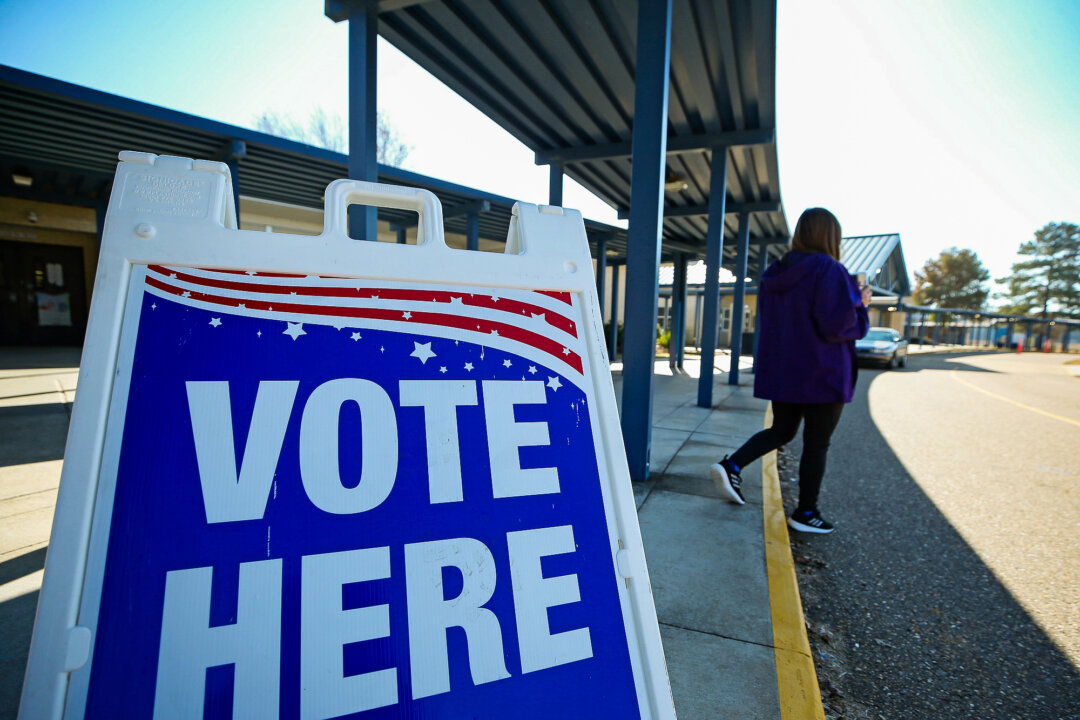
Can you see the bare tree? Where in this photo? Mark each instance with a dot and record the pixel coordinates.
(328, 131)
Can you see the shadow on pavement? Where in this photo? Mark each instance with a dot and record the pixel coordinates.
(33, 433)
(36, 358)
(924, 627)
(936, 361)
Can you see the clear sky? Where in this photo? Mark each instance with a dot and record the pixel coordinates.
(952, 122)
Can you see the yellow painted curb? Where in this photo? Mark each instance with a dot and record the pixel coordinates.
(796, 678)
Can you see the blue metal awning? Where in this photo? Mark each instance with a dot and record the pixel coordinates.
(559, 76)
(66, 138)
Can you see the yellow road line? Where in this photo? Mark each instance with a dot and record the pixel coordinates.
(1062, 418)
(796, 679)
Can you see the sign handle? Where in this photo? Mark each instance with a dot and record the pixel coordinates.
(342, 193)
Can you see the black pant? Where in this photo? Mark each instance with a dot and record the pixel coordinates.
(821, 420)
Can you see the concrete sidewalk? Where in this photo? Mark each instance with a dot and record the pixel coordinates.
(722, 576)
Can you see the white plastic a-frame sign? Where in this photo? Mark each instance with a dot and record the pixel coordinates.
(310, 477)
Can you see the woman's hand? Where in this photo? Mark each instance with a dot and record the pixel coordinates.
(866, 294)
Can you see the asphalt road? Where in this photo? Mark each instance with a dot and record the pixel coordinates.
(952, 584)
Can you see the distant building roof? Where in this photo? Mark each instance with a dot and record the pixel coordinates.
(881, 259)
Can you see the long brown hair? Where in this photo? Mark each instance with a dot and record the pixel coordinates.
(818, 231)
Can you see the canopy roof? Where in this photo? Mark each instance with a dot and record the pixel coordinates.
(559, 76)
(881, 259)
(66, 138)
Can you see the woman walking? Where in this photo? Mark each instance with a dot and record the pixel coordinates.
(812, 311)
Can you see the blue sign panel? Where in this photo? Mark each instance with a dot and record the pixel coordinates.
(342, 498)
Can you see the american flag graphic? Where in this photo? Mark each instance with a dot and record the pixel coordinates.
(530, 323)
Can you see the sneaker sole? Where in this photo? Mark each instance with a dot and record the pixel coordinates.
(796, 525)
(723, 485)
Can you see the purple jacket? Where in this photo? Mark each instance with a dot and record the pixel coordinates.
(811, 313)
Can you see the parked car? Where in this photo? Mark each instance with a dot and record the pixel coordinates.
(883, 345)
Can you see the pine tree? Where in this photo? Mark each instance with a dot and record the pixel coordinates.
(1048, 281)
(954, 279)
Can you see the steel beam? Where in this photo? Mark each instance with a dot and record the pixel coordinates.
(555, 185)
(363, 133)
(733, 208)
(714, 248)
(231, 153)
(601, 272)
(472, 231)
(614, 339)
(676, 145)
(652, 70)
(677, 344)
(739, 302)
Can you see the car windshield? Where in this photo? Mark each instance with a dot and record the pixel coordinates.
(879, 335)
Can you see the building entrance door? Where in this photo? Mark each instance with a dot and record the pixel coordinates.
(42, 294)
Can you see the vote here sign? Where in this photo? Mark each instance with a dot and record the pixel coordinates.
(324, 495)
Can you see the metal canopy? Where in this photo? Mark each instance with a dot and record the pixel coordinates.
(66, 138)
(559, 76)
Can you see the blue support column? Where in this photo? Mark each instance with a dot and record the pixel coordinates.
(601, 272)
(1030, 330)
(363, 134)
(614, 339)
(555, 182)
(679, 289)
(649, 144)
(714, 247)
(741, 258)
(231, 153)
(698, 302)
(100, 210)
(472, 232)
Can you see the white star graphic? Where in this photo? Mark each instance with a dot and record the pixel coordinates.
(215, 322)
(566, 351)
(294, 330)
(293, 293)
(337, 325)
(456, 301)
(153, 306)
(374, 297)
(553, 383)
(259, 333)
(507, 363)
(422, 352)
(494, 298)
(382, 349)
(249, 272)
(468, 366)
(495, 333)
(172, 275)
(407, 315)
(532, 369)
(442, 368)
(542, 317)
(355, 336)
(242, 306)
(185, 294)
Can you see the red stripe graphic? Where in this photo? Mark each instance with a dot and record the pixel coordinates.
(515, 307)
(478, 325)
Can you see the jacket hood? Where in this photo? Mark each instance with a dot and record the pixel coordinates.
(790, 270)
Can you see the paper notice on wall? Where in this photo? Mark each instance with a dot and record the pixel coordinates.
(54, 310)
